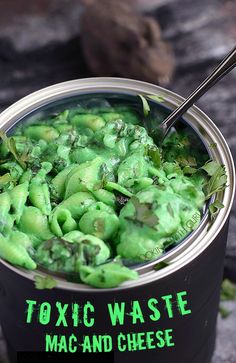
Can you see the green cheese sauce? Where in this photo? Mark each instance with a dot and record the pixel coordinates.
(82, 191)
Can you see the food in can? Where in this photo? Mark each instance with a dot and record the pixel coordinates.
(86, 190)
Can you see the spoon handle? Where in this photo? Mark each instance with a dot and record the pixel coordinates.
(228, 63)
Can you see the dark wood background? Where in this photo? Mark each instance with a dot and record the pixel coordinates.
(40, 45)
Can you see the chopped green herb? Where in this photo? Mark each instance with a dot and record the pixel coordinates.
(2, 161)
(215, 207)
(146, 107)
(186, 161)
(4, 179)
(44, 282)
(62, 117)
(217, 181)
(156, 98)
(189, 170)
(224, 312)
(210, 167)
(155, 155)
(213, 145)
(228, 291)
(202, 130)
(144, 213)
(160, 265)
(11, 145)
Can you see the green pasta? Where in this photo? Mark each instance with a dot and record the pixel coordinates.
(83, 187)
(39, 190)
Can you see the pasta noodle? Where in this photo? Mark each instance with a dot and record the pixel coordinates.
(85, 190)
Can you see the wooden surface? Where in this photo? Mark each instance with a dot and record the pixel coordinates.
(41, 46)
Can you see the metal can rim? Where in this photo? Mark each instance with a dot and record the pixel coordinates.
(58, 91)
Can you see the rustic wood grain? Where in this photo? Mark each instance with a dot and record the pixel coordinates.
(41, 46)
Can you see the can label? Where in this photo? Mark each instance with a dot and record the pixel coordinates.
(121, 318)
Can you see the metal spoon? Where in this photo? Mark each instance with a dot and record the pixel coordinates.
(224, 67)
(228, 63)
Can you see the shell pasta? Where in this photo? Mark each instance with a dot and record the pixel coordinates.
(87, 192)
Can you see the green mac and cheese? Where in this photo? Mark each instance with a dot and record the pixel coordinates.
(82, 191)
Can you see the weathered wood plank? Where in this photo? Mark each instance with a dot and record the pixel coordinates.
(200, 32)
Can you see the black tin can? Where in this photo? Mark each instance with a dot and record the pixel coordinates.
(193, 271)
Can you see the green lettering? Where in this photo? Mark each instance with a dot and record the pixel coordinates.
(44, 313)
(107, 341)
(72, 340)
(152, 306)
(30, 309)
(140, 341)
(182, 303)
(88, 322)
(167, 300)
(87, 345)
(120, 342)
(150, 340)
(97, 343)
(169, 337)
(117, 313)
(75, 314)
(51, 343)
(62, 311)
(137, 312)
(62, 345)
(161, 340)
